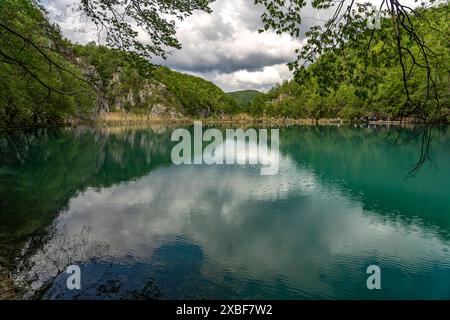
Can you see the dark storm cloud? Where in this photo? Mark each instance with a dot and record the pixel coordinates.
(228, 40)
(254, 61)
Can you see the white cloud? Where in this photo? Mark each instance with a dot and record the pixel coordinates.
(216, 208)
(262, 79)
(224, 47)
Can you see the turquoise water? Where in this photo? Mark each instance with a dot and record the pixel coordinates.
(111, 201)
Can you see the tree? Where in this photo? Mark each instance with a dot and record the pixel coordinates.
(121, 20)
(348, 26)
(24, 48)
(37, 83)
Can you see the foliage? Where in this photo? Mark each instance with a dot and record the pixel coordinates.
(411, 42)
(185, 94)
(197, 96)
(344, 83)
(38, 84)
(117, 21)
(45, 79)
(244, 97)
(43, 83)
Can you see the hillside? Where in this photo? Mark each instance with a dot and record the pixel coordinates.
(52, 81)
(158, 90)
(354, 82)
(244, 97)
(46, 79)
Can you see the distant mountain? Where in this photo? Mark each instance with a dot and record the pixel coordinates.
(244, 97)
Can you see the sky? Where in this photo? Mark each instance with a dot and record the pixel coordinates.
(224, 47)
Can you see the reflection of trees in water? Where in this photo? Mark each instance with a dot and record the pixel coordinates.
(41, 170)
(55, 165)
(38, 268)
(43, 274)
(369, 167)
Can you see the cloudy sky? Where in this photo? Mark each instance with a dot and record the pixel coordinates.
(223, 47)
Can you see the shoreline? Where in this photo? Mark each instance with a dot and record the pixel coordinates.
(129, 121)
(121, 119)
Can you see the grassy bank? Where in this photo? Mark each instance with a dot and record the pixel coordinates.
(120, 118)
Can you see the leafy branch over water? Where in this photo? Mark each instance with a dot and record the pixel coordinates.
(398, 70)
(346, 70)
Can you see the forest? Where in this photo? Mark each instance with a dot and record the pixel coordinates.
(129, 163)
(46, 79)
(351, 83)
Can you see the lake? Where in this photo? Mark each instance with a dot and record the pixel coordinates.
(111, 201)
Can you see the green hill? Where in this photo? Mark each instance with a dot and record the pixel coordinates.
(45, 79)
(244, 97)
(353, 82)
(160, 91)
(54, 81)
